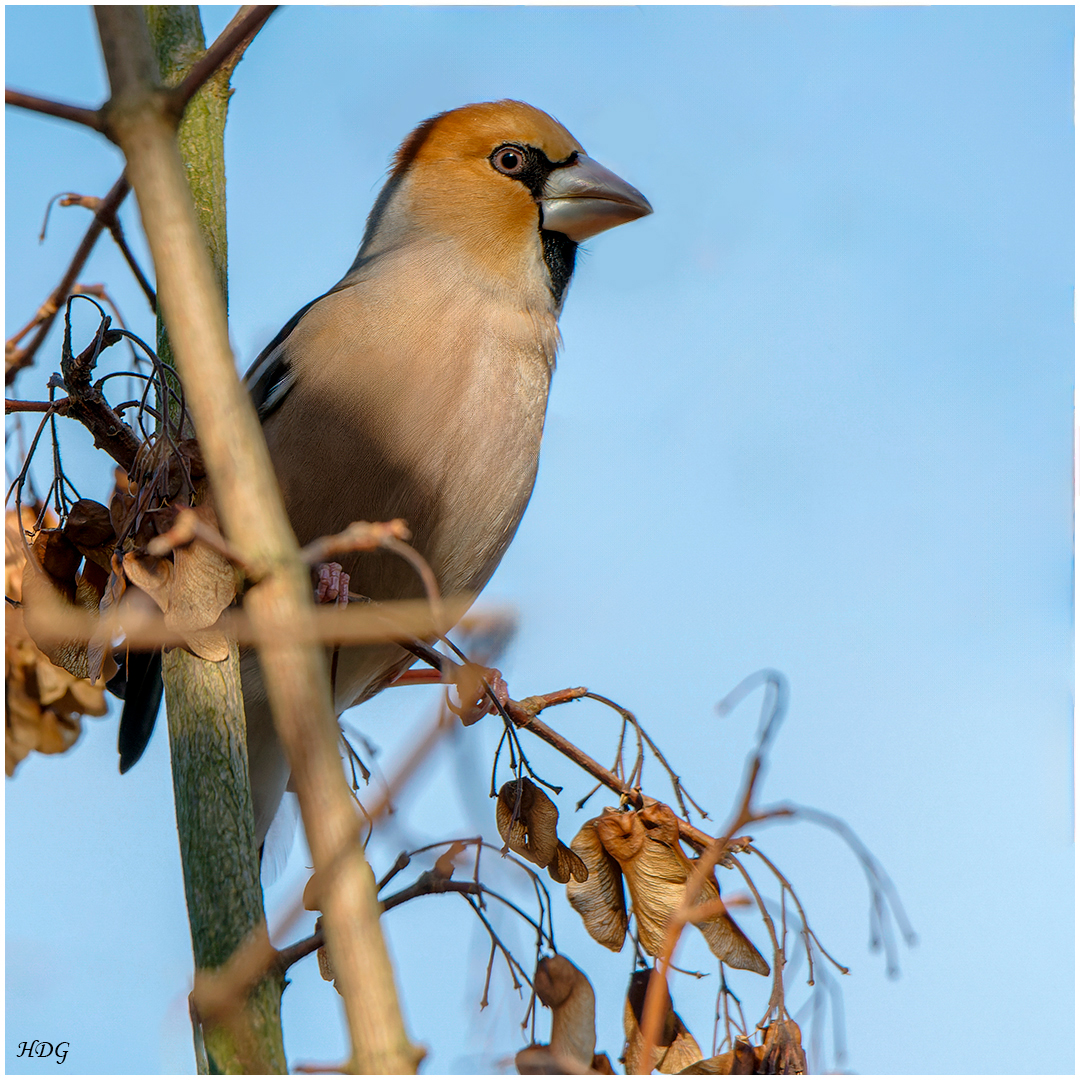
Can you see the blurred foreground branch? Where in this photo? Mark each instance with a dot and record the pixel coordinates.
(246, 495)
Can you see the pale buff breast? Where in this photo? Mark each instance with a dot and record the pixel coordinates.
(441, 426)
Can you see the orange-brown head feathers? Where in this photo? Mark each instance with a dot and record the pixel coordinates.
(472, 132)
(502, 187)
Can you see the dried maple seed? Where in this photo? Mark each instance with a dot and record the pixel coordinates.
(599, 900)
(567, 865)
(568, 993)
(44, 701)
(531, 832)
(58, 556)
(676, 1048)
(88, 524)
(646, 845)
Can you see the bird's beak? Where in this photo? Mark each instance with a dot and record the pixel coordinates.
(583, 199)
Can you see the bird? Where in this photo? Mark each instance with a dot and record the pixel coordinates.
(417, 386)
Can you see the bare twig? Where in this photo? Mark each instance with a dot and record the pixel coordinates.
(18, 358)
(91, 118)
(228, 48)
(773, 708)
(808, 934)
(358, 536)
(93, 203)
(523, 713)
(776, 998)
(429, 884)
(59, 406)
(642, 734)
(224, 53)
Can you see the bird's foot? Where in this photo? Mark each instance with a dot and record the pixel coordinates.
(333, 585)
(473, 695)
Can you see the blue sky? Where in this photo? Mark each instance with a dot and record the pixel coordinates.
(814, 414)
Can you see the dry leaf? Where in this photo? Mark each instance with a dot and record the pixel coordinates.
(567, 865)
(676, 1048)
(646, 845)
(568, 993)
(599, 900)
(203, 586)
(44, 701)
(531, 833)
(783, 1050)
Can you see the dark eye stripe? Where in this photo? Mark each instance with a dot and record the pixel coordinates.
(534, 168)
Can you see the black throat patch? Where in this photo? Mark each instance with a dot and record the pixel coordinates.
(559, 255)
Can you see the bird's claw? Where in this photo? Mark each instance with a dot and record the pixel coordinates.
(472, 692)
(333, 585)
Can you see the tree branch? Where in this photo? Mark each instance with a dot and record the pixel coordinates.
(225, 52)
(91, 118)
(249, 503)
(18, 358)
(523, 713)
(228, 47)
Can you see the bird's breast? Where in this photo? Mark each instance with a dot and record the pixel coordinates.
(425, 404)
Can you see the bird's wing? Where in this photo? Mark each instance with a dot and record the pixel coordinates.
(270, 377)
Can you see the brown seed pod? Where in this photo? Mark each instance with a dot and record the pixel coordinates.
(676, 1048)
(783, 1052)
(646, 845)
(567, 865)
(599, 900)
(532, 833)
(88, 524)
(569, 994)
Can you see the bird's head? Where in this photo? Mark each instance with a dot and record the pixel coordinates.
(505, 180)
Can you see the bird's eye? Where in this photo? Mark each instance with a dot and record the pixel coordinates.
(509, 160)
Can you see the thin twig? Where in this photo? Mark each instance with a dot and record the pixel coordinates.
(77, 114)
(18, 358)
(228, 47)
(224, 53)
(776, 998)
(93, 203)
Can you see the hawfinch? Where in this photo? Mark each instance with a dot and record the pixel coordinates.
(416, 387)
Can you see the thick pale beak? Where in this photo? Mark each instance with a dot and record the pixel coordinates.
(583, 199)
